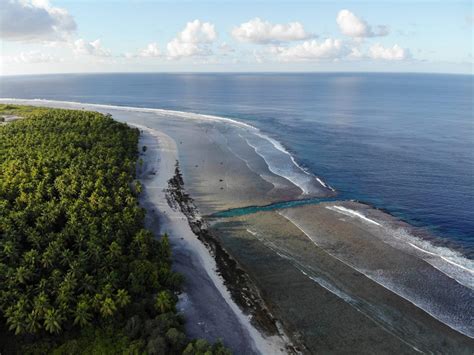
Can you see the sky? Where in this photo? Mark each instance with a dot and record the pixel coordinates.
(64, 36)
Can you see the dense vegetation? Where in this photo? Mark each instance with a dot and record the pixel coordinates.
(78, 271)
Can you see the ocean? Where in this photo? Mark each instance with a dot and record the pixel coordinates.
(403, 143)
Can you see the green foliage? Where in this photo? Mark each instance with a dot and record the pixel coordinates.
(97, 341)
(78, 271)
(164, 302)
(21, 110)
(202, 347)
(68, 214)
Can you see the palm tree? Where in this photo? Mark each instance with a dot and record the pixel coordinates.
(32, 322)
(22, 274)
(164, 302)
(9, 249)
(108, 307)
(40, 304)
(16, 320)
(52, 321)
(122, 298)
(114, 251)
(47, 258)
(82, 314)
(66, 257)
(31, 257)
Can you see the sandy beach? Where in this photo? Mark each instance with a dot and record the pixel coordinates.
(205, 302)
(340, 276)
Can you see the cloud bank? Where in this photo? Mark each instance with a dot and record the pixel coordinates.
(329, 49)
(37, 20)
(34, 20)
(263, 32)
(377, 51)
(33, 57)
(94, 48)
(151, 51)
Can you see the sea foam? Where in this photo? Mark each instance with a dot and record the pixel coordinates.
(352, 213)
(449, 262)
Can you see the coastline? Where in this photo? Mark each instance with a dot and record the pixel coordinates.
(383, 329)
(160, 157)
(272, 265)
(118, 113)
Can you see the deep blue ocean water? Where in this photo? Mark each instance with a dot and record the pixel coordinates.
(401, 142)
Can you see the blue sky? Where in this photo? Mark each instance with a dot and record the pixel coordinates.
(130, 36)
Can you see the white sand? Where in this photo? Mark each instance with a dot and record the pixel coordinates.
(161, 156)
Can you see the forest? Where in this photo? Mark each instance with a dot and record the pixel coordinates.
(79, 273)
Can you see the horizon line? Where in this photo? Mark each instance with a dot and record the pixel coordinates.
(237, 72)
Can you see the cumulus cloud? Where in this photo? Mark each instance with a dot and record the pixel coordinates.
(329, 49)
(33, 57)
(356, 53)
(264, 32)
(225, 48)
(34, 20)
(94, 48)
(193, 40)
(152, 50)
(353, 26)
(377, 51)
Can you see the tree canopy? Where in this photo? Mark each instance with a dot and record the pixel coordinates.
(78, 269)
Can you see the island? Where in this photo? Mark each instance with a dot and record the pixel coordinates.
(178, 226)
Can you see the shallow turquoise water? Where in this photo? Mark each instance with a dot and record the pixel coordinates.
(235, 212)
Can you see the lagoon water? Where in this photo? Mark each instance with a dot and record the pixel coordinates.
(401, 142)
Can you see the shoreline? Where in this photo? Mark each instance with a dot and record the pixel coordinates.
(238, 283)
(320, 187)
(175, 223)
(423, 231)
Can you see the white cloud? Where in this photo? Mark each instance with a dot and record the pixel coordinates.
(94, 48)
(377, 51)
(264, 32)
(152, 50)
(177, 49)
(353, 26)
(33, 57)
(356, 53)
(193, 40)
(330, 49)
(198, 32)
(34, 20)
(225, 48)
